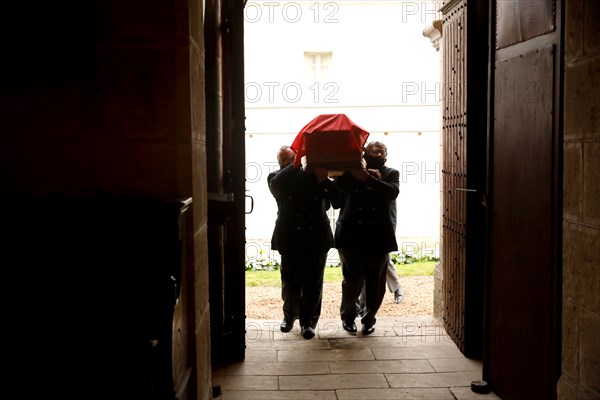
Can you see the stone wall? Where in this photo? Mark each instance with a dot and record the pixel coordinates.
(581, 220)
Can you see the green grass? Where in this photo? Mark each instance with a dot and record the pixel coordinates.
(334, 274)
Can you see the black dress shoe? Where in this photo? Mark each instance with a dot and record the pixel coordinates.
(308, 332)
(349, 326)
(367, 329)
(286, 325)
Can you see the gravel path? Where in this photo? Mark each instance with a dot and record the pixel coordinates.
(264, 302)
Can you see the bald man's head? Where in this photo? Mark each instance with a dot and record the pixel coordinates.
(285, 156)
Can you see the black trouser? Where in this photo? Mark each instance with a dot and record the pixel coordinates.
(302, 287)
(391, 279)
(358, 269)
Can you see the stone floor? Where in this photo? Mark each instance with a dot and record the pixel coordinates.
(405, 358)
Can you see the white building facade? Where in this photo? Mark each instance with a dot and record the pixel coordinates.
(307, 58)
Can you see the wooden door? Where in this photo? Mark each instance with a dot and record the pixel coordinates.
(522, 355)
(224, 33)
(463, 171)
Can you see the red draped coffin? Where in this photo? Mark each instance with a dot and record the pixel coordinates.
(330, 141)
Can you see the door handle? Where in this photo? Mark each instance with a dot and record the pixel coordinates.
(251, 204)
(466, 190)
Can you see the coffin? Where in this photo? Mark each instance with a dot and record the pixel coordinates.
(332, 142)
(333, 162)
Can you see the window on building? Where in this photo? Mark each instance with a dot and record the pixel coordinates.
(317, 66)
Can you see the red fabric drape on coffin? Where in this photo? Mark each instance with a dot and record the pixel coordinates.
(329, 134)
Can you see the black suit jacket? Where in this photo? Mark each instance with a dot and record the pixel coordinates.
(367, 218)
(302, 225)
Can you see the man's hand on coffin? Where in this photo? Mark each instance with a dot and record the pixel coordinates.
(360, 174)
(375, 173)
(303, 163)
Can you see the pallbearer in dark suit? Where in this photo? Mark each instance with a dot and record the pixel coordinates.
(303, 237)
(365, 235)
